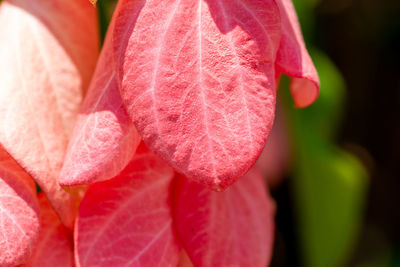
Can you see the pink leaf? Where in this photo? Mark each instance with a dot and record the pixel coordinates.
(231, 228)
(19, 213)
(197, 79)
(48, 51)
(104, 138)
(127, 221)
(294, 60)
(55, 245)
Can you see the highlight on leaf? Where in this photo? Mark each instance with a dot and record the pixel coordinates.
(127, 221)
(180, 105)
(201, 86)
(48, 51)
(230, 228)
(19, 213)
(54, 246)
(104, 138)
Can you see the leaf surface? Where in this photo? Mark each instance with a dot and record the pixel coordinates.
(48, 51)
(104, 138)
(230, 228)
(197, 79)
(294, 60)
(54, 246)
(127, 221)
(19, 213)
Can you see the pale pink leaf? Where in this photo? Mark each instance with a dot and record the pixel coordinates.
(48, 50)
(127, 221)
(54, 247)
(197, 79)
(293, 58)
(104, 138)
(19, 213)
(230, 228)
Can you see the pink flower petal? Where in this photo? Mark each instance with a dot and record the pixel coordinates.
(197, 79)
(55, 244)
(127, 221)
(294, 60)
(232, 228)
(19, 213)
(48, 50)
(104, 138)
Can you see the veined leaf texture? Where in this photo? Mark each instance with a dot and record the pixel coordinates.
(48, 51)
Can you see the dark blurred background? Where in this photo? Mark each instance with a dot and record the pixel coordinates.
(362, 39)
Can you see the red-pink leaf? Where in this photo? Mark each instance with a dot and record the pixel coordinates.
(127, 221)
(197, 79)
(231, 228)
(54, 247)
(293, 58)
(104, 138)
(19, 213)
(48, 50)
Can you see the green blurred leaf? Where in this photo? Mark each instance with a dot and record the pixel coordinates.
(105, 9)
(329, 184)
(329, 188)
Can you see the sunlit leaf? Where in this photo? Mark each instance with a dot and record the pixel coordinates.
(197, 79)
(127, 221)
(54, 247)
(48, 52)
(19, 213)
(104, 138)
(230, 228)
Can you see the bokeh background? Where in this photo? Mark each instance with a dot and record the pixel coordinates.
(335, 172)
(339, 204)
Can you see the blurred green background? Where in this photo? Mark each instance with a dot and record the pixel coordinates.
(338, 205)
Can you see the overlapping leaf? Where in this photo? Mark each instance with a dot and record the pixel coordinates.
(232, 228)
(19, 213)
(293, 58)
(48, 50)
(197, 79)
(54, 247)
(104, 138)
(127, 221)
